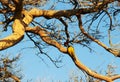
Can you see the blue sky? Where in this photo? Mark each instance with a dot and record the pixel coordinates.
(34, 68)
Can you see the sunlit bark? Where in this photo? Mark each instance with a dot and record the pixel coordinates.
(45, 37)
(81, 66)
(17, 28)
(18, 34)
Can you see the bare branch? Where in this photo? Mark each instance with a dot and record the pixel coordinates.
(18, 30)
(66, 32)
(66, 13)
(15, 37)
(81, 66)
(114, 52)
(45, 37)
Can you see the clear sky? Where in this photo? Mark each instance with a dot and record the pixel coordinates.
(33, 68)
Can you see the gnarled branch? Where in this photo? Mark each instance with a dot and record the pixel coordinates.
(18, 30)
(15, 37)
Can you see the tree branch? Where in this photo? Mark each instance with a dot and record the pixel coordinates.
(81, 66)
(66, 13)
(115, 77)
(114, 52)
(15, 37)
(18, 30)
(45, 37)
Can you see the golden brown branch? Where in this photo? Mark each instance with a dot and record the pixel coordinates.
(81, 66)
(15, 37)
(45, 37)
(66, 13)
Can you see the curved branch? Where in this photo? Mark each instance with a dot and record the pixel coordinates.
(114, 52)
(67, 13)
(29, 15)
(45, 37)
(89, 71)
(17, 28)
(15, 37)
(59, 13)
(86, 69)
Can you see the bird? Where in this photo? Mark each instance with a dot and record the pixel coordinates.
(71, 51)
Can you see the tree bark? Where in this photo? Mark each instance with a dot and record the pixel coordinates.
(15, 37)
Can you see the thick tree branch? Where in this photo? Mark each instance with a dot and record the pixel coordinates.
(18, 30)
(15, 37)
(65, 13)
(87, 70)
(45, 37)
(90, 72)
(29, 15)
